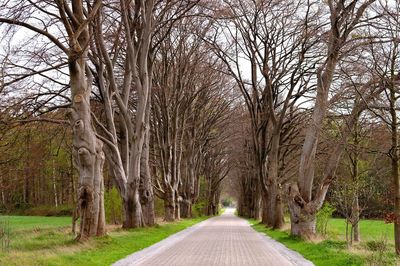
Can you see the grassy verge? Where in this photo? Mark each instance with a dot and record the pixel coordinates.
(48, 241)
(333, 251)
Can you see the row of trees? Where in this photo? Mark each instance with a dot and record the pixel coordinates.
(343, 54)
(141, 92)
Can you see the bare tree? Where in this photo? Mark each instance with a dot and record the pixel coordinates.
(87, 148)
(344, 18)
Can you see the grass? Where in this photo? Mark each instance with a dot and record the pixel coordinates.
(333, 250)
(370, 229)
(19, 223)
(48, 241)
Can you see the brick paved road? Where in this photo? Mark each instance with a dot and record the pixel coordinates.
(224, 240)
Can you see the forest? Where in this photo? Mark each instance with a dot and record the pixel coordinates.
(130, 114)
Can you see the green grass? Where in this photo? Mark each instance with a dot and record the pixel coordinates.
(48, 241)
(333, 251)
(18, 223)
(370, 230)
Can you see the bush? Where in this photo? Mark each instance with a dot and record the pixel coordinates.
(376, 245)
(323, 216)
(113, 206)
(199, 208)
(379, 256)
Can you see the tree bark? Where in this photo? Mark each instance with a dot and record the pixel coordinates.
(146, 187)
(88, 155)
(169, 206)
(275, 216)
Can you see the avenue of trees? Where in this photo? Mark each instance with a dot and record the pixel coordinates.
(289, 104)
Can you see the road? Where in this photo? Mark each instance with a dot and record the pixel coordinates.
(223, 240)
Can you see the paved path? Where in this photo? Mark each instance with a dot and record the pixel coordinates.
(223, 240)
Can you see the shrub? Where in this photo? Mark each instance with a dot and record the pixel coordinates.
(376, 245)
(113, 206)
(379, 256)
(199, 208)
(323, 216)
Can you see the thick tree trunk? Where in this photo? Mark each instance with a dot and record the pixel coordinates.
(273, 207)
(274, 216)
(257, 202)
(132, 206)
(186, 208)
(88, 154)
(265, 207)
(303, 223)
(302, 215)
(169, 206)
(304, 228)
(212, 204)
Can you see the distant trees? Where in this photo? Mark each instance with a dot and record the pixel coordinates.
(36, 167)
(188, 111)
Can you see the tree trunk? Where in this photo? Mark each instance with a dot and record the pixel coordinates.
(88, 155)
(265, 207)
(178, 200)
(257, 202)
(132, 206)
(303, 225)
(356, 219)
(213, 201)
(274, 209)
(169, 206)
(146, 188)
(302, 215)
(186, 208)
(53, 173)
